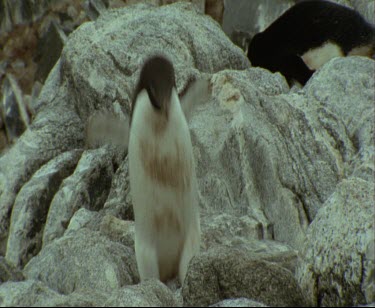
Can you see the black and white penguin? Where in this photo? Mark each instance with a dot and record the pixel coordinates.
(308, 35)
(162, 174)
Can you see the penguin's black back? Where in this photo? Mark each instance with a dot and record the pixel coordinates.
(311, 23)
(307, 25)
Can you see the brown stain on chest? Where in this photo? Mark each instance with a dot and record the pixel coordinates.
(172, 170)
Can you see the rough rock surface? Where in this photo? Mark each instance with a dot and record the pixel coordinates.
(337, 272)
(84, 260)
(239, 302)
(151, 293)
(87, 187)
(31, 207)
(279, 171)
(32, 293)
(229, 273)
(9, 272)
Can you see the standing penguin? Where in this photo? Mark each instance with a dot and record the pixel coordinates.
(162, 176)
(308, 35)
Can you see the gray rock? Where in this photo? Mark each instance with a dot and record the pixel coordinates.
(13, 13)
(84, 260)
(26, 293)
(54, 130)
(87, 187)
(151, 293)
(275, 158)
(49, 50)
(5, 17)
(118, 230)
(337, 267)
(140, 29)
(231, 273)
(119, 202)
(241, 232)
(9, 272)
(350, 99)
(80, 219)
(238, 302)
(15, 115)
(364, 7)
(94, 8)
(242, 19)
(226, 229)
(32, 293)
(31, 207)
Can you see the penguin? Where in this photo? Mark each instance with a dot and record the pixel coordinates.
(308, 35)
(163, 182)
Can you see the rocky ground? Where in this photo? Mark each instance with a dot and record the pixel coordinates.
(286, 176)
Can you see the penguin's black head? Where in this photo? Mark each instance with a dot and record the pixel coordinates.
(158, 79)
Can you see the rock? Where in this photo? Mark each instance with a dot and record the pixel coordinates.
(84, 261)
(14, 13)
(87, 187)
(25, 293)
(364, 7)
(55, 130)
(49, 50)
(94, 8)
(8, 272)
(199, 4)
(34, 293)
(119, 203)
(31, 207)
(118, 230)
(80, 219)
(5, 17)
(276, 157)
(225, 229)
(238, 302)
(243, 19)
(245, 233)
(151, 293)
(190, 53)
(337, 265)
(334, 88)
(16, 119)
(221, 274)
